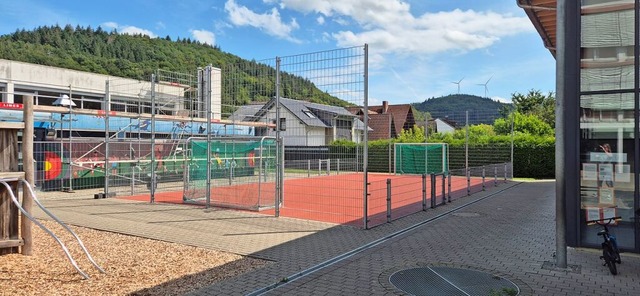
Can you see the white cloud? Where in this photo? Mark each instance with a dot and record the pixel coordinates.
(501, 100)
(160, 25)
(269, 22)
(109, 25)
(391, 27)
(320, 20)
(204, 36)
(131, 30)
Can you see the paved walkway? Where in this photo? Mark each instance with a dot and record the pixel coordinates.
(508, 230)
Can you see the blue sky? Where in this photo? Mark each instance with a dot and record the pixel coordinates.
(417, 48)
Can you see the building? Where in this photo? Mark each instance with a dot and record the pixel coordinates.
(305, 123)
(444, 125)
(88, 90)
(387, 121)
(598, 90)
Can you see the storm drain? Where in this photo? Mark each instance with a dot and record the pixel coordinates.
(450, 281)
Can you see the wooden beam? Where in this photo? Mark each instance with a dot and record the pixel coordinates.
(11, 175)
(11, 125)
(10, 243)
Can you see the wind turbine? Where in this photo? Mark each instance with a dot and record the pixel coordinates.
(486, 89)
(458, 83)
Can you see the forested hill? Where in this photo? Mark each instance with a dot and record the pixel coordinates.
(481, 110)
(137, 56)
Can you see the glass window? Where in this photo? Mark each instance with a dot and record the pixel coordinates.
(308, 113)
(607, 124)
(606, 163)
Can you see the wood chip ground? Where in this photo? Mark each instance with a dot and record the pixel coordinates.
(133, 265)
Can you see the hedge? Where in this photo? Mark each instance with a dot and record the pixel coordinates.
(534, 157)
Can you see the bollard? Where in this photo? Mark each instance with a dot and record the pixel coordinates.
(424, 192)
(388, 200)
(483, 174)
(433, 191)
(505, 172)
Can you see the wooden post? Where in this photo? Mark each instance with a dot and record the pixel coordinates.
(9, 236)
(29, 168)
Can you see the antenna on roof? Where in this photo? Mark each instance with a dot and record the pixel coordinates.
(486, 89)
(458, 83)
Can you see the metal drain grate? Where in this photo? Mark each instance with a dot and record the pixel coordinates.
(450, 281)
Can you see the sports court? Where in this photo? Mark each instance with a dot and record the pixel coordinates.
(333, 198)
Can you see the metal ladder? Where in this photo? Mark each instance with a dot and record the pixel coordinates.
(37, 202)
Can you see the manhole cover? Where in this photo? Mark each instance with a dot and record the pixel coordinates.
(466, 214)
(450, 281)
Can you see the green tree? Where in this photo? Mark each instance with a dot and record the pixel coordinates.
(536, 103)
(413, 135)
(523, 123)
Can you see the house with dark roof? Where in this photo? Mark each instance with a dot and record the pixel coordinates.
(306, 123)
(387, 121)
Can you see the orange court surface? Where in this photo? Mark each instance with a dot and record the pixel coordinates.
(332, 198)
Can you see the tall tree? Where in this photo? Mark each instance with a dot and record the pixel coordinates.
(535, 103)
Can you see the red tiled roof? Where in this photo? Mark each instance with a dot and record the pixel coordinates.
(399, 117)
(382, 126)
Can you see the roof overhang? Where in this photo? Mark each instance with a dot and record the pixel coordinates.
(543, 16)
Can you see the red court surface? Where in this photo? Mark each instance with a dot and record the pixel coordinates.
(335, 199)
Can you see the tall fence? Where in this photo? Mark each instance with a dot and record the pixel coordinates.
(199, 137)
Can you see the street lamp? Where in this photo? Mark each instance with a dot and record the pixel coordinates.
(65, 101)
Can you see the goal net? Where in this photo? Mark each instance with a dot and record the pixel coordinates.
(242, 172)
(421, 158)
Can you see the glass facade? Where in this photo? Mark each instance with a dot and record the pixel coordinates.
(608, 111)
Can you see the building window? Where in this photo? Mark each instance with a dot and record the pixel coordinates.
(308, 113)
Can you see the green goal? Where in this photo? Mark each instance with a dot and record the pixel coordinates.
(421, 158)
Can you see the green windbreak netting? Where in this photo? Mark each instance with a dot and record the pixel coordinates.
(421, 158)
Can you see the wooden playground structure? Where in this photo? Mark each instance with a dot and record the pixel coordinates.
(14, 239)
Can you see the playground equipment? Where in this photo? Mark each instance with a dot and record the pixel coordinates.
(5, 182)
(11, 239)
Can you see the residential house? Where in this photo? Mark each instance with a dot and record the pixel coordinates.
(305, 123)
(444, 125)
(387, 121)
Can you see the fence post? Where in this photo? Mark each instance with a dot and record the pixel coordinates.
(468, 182)
(308, 168)
(433, 191)
(444, 193)
(495, 176)
(328, 166)
(449, 187)
(388, 200)
(483, 175)
(424, 192)
(338, 166)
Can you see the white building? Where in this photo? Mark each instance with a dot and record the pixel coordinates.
(306, 123)
(88, 90)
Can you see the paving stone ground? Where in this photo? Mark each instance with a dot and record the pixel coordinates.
(508, 231)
